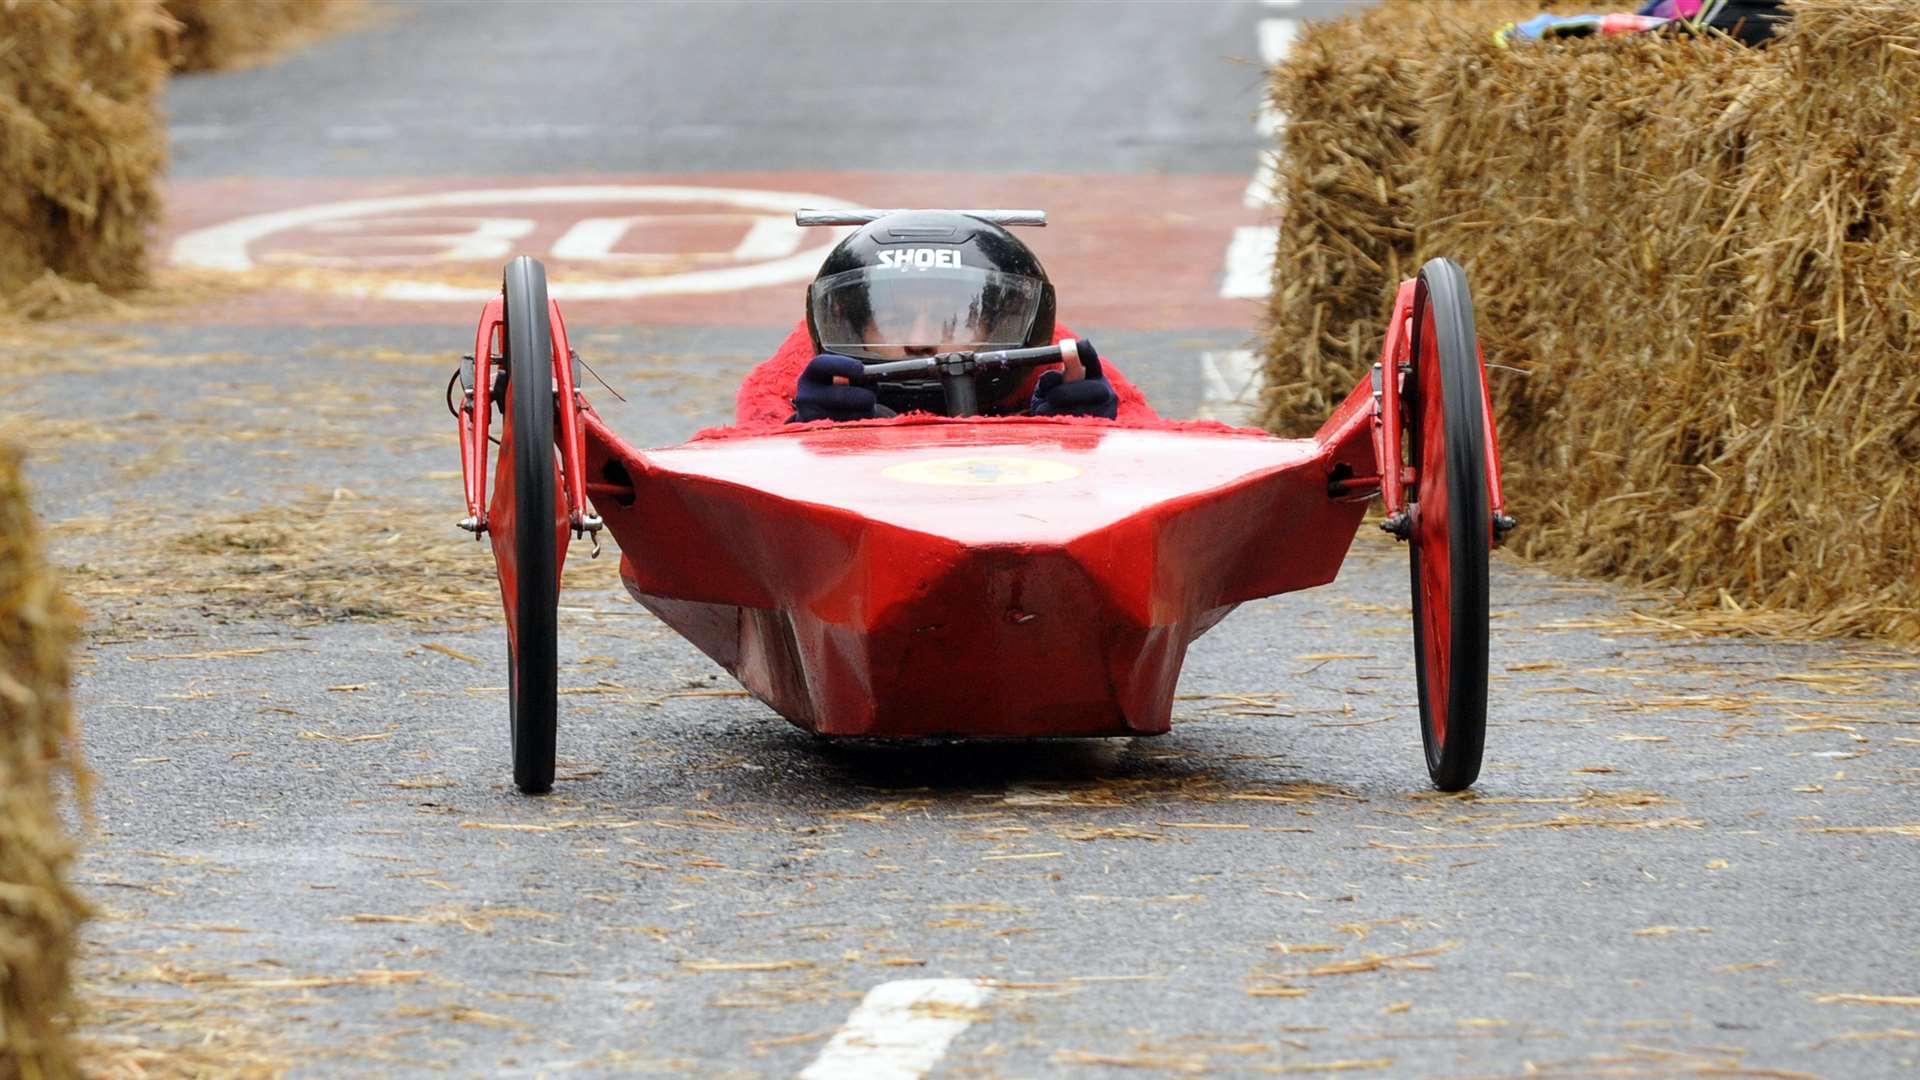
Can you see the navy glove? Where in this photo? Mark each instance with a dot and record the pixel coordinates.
(818, 397)
(1090, 396)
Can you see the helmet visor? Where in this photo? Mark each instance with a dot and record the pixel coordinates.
(886, 312)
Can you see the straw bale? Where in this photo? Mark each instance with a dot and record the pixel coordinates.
(81, 144)
(224, 34)
(39, 911)
(1694, 265)
(1351, 90)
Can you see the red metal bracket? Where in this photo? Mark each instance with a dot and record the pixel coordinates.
(476, 412)
(1395, 350)
(1496, 498)
(573, 446)
(1395, 476)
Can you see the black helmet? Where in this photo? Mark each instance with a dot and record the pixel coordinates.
(924, 281)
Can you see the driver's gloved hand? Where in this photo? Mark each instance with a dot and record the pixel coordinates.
(818, 397)
(1091, 396)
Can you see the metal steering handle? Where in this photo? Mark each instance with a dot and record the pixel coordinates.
(958, 370)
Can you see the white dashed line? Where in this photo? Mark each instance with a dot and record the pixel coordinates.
(900, 1030)
(1249, 273)
(1231, 378)
(1230, 385)
(1276, 38)
(1263, 191)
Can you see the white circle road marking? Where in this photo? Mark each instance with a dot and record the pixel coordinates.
(225, 246)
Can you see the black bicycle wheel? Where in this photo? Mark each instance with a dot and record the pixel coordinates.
(1452, 526)
(527, 457)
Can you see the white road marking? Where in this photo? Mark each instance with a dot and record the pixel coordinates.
(439, 238)
(594, 239)
(225, 246)
(1276, 38)
(1230, 379)
(769, 238)
(1263, 191)
(899, 1031)
(1250, 257)
(1230, 382)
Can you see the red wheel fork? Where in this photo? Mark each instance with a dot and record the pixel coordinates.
(571, 433)
(475, 413)
(480, 372)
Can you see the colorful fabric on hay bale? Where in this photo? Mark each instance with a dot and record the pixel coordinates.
(1752, 22)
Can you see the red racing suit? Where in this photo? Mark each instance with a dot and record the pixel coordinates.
(766, 396)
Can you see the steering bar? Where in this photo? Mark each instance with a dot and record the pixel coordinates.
(958, 370)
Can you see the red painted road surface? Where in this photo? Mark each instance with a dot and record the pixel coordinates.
(1132, 252)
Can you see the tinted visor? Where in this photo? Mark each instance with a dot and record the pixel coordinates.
(885, 312)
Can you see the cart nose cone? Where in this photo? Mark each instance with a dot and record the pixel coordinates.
(1004, 640)
(910, 639)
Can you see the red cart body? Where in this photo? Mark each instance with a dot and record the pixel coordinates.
(986, 577)
(1017, 577)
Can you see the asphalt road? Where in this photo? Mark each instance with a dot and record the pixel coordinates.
(500, 88)
(1686, 856)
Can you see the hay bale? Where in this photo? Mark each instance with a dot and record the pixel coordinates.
(1352, 91)
(1700, 259)
(39, 911)
(81, 145)
(225, 34)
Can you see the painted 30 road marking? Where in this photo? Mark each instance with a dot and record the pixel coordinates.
(399, 241)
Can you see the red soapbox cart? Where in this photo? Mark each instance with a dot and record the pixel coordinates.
(972, 576)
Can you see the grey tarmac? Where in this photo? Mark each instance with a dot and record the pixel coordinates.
(1686, 855)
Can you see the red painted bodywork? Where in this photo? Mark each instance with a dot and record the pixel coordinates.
(855, 602)
(985, 576)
